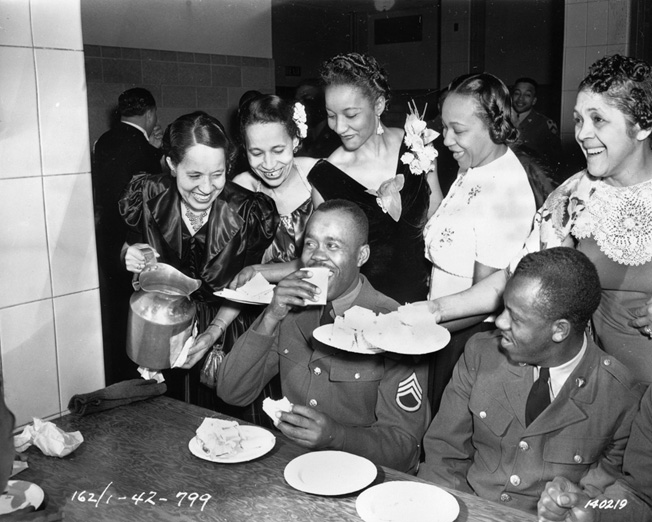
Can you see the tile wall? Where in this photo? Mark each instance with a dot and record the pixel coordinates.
(593, 29)
(50, 336)
(181, 82)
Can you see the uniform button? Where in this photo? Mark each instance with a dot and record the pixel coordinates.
(313, 403)
(578, 459)
(515, 480)
(524, 446)
(286, 351)
(483, 414)
(317, 371)
(504, 497)
(357, 376)
(522, 364)
(607, 362)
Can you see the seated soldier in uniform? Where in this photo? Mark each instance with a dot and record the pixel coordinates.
(536, 398)
(370, 405)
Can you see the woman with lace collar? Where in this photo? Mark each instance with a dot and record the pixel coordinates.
(604, 211)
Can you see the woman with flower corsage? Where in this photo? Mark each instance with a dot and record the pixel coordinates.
(271, 130)
(487, 214)
(389, 173)
(605, 211)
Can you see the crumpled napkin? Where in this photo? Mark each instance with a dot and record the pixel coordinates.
(51, 440)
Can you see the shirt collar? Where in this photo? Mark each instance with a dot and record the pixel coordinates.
(344, 302)
(560, 374)
(138, 127)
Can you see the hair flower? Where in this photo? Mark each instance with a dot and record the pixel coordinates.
(419, 138)
(299, 118)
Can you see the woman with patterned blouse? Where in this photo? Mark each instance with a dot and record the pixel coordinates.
(605, 211)
(487, 214)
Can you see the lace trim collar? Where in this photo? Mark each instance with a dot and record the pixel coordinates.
(620, 221)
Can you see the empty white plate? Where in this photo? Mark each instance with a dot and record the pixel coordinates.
(406, 502)
(330, 473)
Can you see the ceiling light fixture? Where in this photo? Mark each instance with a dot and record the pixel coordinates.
(383, 5)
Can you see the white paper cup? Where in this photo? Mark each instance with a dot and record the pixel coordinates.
(319, 278)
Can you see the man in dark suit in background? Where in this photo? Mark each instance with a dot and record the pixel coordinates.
(121, 152)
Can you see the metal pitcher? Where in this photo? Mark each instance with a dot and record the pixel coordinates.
(161, 315)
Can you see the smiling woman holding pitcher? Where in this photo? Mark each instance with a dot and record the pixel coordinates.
(205, 227)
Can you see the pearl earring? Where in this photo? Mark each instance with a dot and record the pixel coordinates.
(379, 129)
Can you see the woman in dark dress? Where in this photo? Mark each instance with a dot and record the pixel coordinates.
(206, 227)
(367, 166)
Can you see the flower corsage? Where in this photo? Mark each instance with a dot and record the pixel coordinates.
(419, 138)
(299, 117)
(420, 158)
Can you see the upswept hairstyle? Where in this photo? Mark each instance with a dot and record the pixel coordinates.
(196, 128)
(626, 84)
(570, 287)
(494, 103)
(268, 108)
(359, 218)
(135, 102)
(359, 70)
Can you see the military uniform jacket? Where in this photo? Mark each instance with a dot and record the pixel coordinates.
(378, 398)
(478, 441)
(540, 133)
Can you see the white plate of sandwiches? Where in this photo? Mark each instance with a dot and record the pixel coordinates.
(411, 330)
(227, 442)
(255, 291)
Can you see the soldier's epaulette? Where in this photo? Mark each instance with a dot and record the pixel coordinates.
(620, 372)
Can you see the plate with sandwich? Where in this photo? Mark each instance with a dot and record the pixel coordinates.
(228, 442)
(411, 330)
(255, 291)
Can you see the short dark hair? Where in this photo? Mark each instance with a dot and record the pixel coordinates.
(268, 108)
(527, 79)
(135, 102)
(569, 284)
(359, 218)
(358, 70)
(494, 101)
(196, 128)
(626, 83)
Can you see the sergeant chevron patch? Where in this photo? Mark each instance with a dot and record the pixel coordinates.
(409, 393)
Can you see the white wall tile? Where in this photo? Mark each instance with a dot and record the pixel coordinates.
(567, 123)
(15, 28)
(619, 20)
(29, 364)
(79, 344)
(596, 30)
(63, 111)
(48, 20)
(23, 248)
(574, 67)
(71, 233)
(575, 25)
(19, 139)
